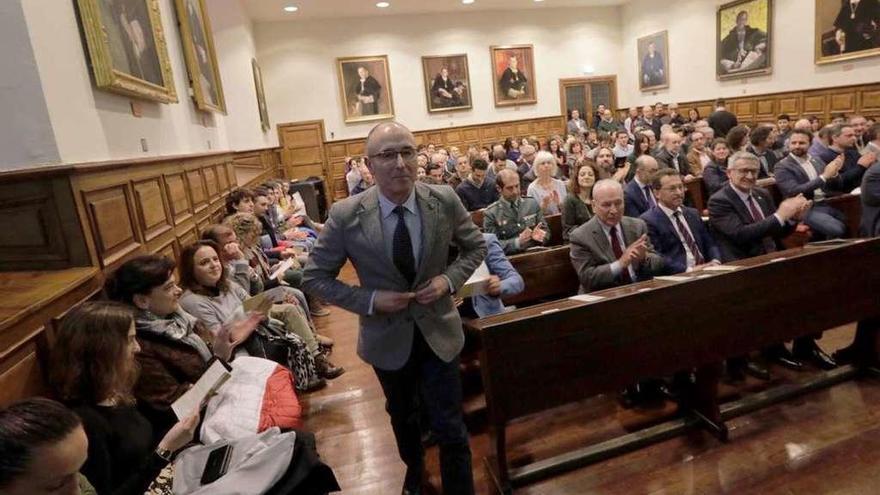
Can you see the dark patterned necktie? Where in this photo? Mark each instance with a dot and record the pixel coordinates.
(692, 245)
(402, 250)
(767, 242)
(618, 252)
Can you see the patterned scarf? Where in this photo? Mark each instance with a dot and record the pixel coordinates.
(178, 326)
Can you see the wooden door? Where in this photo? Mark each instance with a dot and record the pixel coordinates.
(584, 94)
(302, 152)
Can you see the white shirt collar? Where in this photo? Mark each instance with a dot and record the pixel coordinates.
(386, 206)
(669, 213)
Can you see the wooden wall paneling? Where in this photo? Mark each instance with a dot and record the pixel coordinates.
(154, 216)
(230, 175)
(471, 135)
(790, 105)
(187, 236)
(178, 199)
(170, 249)
(744, 110)
(195, 184)
(870, 100)
(251, 159)
(765, 109)
(22, 371)
(523, 129)
(222, 178)
(112, 222)
(302, 149)
(488, 134)
(212, 183)
(814, 104)
(39, 226)
(842, 102)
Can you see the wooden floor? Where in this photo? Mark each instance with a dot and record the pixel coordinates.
(824, 442)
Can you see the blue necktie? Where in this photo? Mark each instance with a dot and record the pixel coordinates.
(402, 250)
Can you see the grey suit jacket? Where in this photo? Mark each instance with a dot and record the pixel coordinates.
(870, 197)
(592, 256)
(353, 232)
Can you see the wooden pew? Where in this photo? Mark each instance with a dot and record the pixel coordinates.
(552, 354)
(848, 204)
(696, 191)
(547, 274)
(554, 224)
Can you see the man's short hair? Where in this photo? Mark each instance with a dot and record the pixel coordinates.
(214, 231)
(618, 133)
(871, 133)
(805, 132)
(237, 196)
(656, 183)
(760, 134)
(837, 130)
(437, 158)
(720, 102)
(744, 156)
(499, 155)
(25, 427)
(783, 116)
(260, 191)
(479, 164)
(499, 177)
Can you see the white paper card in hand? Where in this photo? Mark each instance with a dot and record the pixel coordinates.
(282, 267)
(477, 284)
(588, 298)
(211, 381)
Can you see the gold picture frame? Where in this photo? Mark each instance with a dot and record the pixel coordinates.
(127, 48)
(755, 58)
(201, 58)
(503, 88)
(365, 88)
(261, 95)
(841, 35)
(653, 70)
(454, 92)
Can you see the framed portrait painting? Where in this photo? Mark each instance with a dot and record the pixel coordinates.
(261, 95)
(127, 48)
(201, 59)
(653, 57)
(513, 75)
(847, 30)
(744, 39)
(447, 82)
(365, 85)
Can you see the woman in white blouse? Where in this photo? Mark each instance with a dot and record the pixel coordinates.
(547, 191)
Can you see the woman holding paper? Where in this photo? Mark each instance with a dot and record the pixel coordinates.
(93, 370)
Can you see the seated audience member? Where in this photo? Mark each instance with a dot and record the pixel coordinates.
(641, 146)
(783, 122)
(546, 189)
(607, 169)
(434, 172)
(747, 223)
(576, 125)
(504, 281)
(676, 231)
(821, 140)
(461, 173)
(622, 149)
(858, 124)
(721, 120)
(575, 152)
(526, 170)
(638, 194)
(607, 123)
(511, 147)
(800, 173)
(499, 163)
(649, 120)
(92, 369)
(670, 155)
(715, 174)
(738, 138)
(477, 192)
(240, 199)
(693, 116)
(631, 121)
(516, 221)
(815, 124)
(843, 139)
(43, 446)
(577, 208)
(609, 235)
(872, 143)
(353, 166)
(760, 143)
(555, 149)
(216, 301)
(672, 117)
(367, 181)
(272, 241)
(698, 156)
(174, 347)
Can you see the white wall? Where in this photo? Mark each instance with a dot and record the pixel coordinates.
(299, 61)
(25, 130)
(691, 27)
(234, 42)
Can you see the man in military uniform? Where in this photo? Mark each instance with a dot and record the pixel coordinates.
(516, 221)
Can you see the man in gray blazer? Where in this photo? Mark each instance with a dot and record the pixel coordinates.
(611, 249)
(397, 236)
(870, 196)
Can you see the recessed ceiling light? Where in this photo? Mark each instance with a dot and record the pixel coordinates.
(291, 8)
(467, 2)
(382, 5)
(537, 1)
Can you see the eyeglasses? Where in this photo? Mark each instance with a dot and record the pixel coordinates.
(746, 171)
(388, 156)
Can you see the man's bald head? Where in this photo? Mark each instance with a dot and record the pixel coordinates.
(608, 201)
(385, 131)
(803, 124)
(507, 182)
(391, 148)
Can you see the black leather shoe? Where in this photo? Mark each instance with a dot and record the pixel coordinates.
(780, 355)
(757, 371)
(817, 357)
(845, 355)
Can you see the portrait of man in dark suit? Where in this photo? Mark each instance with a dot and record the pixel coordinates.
(847, 29)
(653, 51)
(744, 38)
(447, 82)
(365, 84)
(130, 36)
(514, 75)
